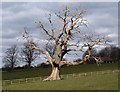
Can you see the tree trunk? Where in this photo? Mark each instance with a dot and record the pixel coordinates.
(55, 74)
(29, 64)
(58, 56)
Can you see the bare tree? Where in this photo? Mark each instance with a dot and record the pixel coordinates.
(92, 40)
(71, 23)
(28, 55)
(11, 57)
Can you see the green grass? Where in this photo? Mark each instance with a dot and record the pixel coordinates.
(37, 72)
(90, 82)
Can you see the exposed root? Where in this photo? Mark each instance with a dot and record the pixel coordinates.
(51, 78)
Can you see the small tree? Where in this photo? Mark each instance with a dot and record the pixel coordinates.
(11, 57)
(28, 55)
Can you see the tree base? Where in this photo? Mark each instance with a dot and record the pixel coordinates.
(51, 78)
(55, 75)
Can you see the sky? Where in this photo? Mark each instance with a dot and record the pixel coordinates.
(102, 18)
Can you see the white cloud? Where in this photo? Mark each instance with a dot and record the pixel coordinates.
(113, 35)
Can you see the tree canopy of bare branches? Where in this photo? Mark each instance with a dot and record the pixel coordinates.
(28, 55)
(71, 25)
(11, 57)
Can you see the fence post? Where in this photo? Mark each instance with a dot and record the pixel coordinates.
(61, 76)
(26, 80)
(67, 76)
(113, 71)
(3, 83)
(33, 79)
(11, 82)
(91, 73)
(73, 74)
(79, 74)
(19, 81)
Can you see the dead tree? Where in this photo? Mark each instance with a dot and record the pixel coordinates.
(71, 24)
(11, 58)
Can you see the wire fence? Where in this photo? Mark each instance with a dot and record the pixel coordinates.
(74, 75)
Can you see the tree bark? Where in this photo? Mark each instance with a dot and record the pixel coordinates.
(58, 56)
(55, 74)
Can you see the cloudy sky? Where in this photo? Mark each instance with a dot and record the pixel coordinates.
(102, 18)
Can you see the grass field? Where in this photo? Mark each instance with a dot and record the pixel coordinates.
(107, 81)
(37, 72)
(91, 82)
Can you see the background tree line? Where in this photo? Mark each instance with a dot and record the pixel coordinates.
(14, 56)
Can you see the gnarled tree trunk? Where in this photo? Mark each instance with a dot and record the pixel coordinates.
(55, 74)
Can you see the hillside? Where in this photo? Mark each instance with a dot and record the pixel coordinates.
(37, 72)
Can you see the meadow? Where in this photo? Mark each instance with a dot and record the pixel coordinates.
(94, 82)
(106, 81)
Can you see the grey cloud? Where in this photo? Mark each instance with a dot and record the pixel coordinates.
(102, 18)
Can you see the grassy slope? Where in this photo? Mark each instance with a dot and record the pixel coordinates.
(35, 72)
(94, 82)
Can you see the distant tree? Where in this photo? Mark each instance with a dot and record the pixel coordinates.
(115, 53)
(11, 57)
(44, 65)
(111, 51)
(28, 55)
(105, 52)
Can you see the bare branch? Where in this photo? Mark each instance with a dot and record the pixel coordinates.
(59, 16)
(65, 23)
(98, 41)
(51, 23)
(70, 63)
(25, 35)
(45, 30)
